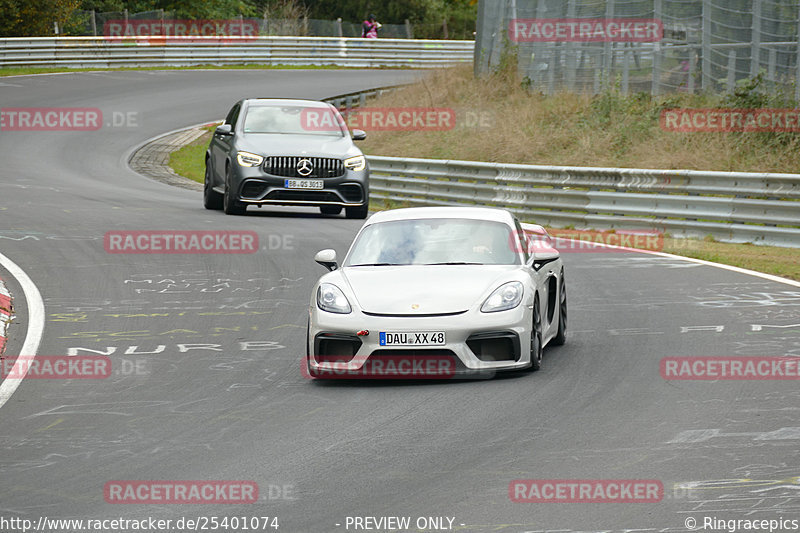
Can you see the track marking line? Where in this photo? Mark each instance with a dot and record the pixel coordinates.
(740, 270)
(33, 337)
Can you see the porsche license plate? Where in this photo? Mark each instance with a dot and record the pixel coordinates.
(303, 184)
(412, 338)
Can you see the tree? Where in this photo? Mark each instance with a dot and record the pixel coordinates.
(21, 18)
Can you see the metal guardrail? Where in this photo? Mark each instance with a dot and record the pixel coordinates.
(730, 206)
(81, 52)
(359, 99)
(761, 208)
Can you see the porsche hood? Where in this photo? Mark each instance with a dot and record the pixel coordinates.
(410, 290)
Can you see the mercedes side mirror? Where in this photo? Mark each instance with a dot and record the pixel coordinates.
(224, 129)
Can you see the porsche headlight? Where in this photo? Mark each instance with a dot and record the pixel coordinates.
(246, 159)
(356, 163)
(330, 298)
(505, 297)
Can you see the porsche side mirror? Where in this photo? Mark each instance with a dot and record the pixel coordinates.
(541, 257)
(327, 258)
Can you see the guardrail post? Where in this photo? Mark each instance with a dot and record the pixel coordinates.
(655, 87)
(731, 80)
(571, 52)
(409, 29)
(797, 60)
(773, 60)
(755, 45)
(94, 24)
(626, 64)
(692, 69)
(339, 31)
(597, 81)
(705, 79)
(608, 51)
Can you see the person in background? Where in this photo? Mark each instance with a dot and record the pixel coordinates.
(369, 29)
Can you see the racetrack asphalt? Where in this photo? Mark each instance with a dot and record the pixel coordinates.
(206, 354)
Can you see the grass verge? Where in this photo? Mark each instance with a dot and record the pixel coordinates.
(784, 262)
(189, 161)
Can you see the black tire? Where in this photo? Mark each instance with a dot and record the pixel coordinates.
(330, 209)
(536, 337)
(211, 198)
(561, 336)
(357, 212)
(229, 204)
(308, 351)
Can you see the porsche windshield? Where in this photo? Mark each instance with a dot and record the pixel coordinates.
(296, 119)
(436, 241)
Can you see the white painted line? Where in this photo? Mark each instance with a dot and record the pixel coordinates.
(745, 271)
(33, 337)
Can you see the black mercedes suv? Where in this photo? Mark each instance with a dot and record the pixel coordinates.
(286, 152)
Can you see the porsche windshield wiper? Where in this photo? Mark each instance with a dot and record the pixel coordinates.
(375, 264)
(455, 263)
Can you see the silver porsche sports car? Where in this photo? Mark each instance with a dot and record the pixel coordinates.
(437, 292)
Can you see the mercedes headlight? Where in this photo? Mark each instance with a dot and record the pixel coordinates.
(330, 298)
(356, 163)
(505, 297)
(246, 159)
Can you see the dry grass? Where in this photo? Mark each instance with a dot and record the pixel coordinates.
(578, 129)
(570, 129)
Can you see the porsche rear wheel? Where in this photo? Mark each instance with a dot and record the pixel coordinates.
(561, 336)
(536, 337)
